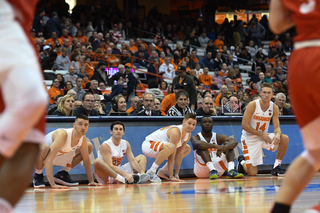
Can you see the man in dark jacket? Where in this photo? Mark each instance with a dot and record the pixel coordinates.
(147, 106)
(87, 106)
(100, 74)
(207, 107)
(280, 101)
(38, 22)
(188, 85)
(116, 77)
(54, 24)
(131, 81)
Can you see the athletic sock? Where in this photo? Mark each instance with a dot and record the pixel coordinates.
(277, 163)
(39, 171)
(242, 162)
(210, 166)
(278, 207)
(5, 206)
(120, 178)
(67, 169)
(230, 165)
(154, 167)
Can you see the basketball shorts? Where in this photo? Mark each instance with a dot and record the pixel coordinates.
(304, 94)
(23, 97)
(202, 171)
(127, 168)
(252, 149)
(152, 148)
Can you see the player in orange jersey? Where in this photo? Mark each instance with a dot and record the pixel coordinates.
(305, 15)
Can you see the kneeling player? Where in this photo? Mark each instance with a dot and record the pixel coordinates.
(67, 148)
(110, 154)
(213, 152)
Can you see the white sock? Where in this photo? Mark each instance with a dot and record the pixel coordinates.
(67, 169)
(165, 167)
(120, 178)
(210, 166)
(5, 206)
(39, 171)
(242, 162)
(230, 165)
(277, 163)
(154, 167)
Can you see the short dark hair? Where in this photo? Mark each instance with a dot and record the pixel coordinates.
(82, 116)
(117, 123)
(85, 95)
(190, 115)
(181, 92)
(153, 84)
(205, 116)
(266, 84)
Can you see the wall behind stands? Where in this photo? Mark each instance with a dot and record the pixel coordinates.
(137, 128)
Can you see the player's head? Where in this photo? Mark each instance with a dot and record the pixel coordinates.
(81, 124)
(117, 129)
(189, 122)
(206, 123)
(266, 91)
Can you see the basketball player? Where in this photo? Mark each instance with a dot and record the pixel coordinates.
(213, 152)
(169, 143)
(23, 101)
(67, 148)
(255, 125)
(110, 154)
(305, 16)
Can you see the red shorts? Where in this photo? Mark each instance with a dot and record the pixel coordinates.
(303, 81)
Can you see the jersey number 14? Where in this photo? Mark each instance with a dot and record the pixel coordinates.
(262, 128)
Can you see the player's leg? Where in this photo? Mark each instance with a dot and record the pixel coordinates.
(232, 173)
(142, 161)
(38, 176)
(252, 150)
(20, 165)
(103, 172)
(63, 176)
(206, 158)
(282, 148)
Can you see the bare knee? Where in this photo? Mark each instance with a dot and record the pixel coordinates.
(44, 150)
(284, 139)
(252, 171)
(187, 149)
(141, 158)
(170, 147)
(97, 163)
(90, 147)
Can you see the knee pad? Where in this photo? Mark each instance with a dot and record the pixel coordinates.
(312, 157)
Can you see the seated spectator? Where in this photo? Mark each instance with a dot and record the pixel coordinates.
(208, 61)
(63, 61)
(274, 42)
(255, 78)
(87, 106)
(275, 60)
(54, 90)
(166, 48)
(230, 61)
(259, 83)
(65, 107)
(53, 40)
(258, 63)
(152, 69)
(48, 61)
(72, 93)
(119, 106)
(116, 89)
(132, 47)
(287, 43)
(121, 73)
(218, 43)
(153, 89)
(112, 60)
(223, 93)
(100, 74)
(75, 64)
(239, 93)
(205, 79)
(115, 50)
(252, 50)
(253, 89)
(181, 108)
(88, 67)
(131, 80)
(203, 40)
(147, 106)
(103, 88)
(217, 79)
(280, 101)
(163, 86)
(245, 100)
(245, 55)
(78, 89)
(199, 103)
(98, 108)
(140, 87)
(194, 59)
(68, 87)
(54, 107)
(157, 106)
(170, 99)
(134, 100)
(280, 76)
(195, 78)
(207, 107)
(81, 38)
(86, 82)
(231, 88)
(71, 76)
(94, 88)
(224, 70)
(141, 59)
(77, 104)
(61, 81)
(167, 69)
(193, 39)
(116, 34)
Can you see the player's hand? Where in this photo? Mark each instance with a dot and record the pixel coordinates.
(276, 139)
(266, 138)
(129, 178)
(56, 186)
(219, 152)
(93, 184)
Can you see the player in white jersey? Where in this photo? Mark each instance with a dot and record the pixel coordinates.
(255, 136)
(213, 152)
(110, 154)
(67, 148)
(169, 143)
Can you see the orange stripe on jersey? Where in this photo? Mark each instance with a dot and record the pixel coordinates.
(248, 165)
(222, 165)
(68, 165)
(245, 151)
(165, 128)
(152, 144)
(157, 144)
(245, 147)
(247, 158)
(202, 164)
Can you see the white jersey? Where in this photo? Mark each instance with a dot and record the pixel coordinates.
(67, 147)
(117, 152)
(161, 135)
(212, 151)
(260, 120)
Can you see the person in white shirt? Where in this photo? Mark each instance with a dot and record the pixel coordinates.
(167, 69)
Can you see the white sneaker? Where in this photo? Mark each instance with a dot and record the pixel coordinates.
(144, 178)
(153, 177)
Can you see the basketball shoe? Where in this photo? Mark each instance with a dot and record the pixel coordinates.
(277, 171)
(64, 178)
(153, 177)
(214, 174)
(38, 181)
(234, 174)
(240, 167)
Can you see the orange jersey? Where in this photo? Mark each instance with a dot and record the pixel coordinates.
(140, 87)
(133, 49)
(68, 37)
(84, 83)
(274, 43)
(206, 80)
(53, 92)
(51, 41)
(195, 60)
(83, 39)
(111, 58)
(218, 44)
(167, 102)
(89, 69)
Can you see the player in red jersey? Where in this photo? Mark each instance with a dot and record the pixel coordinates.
(305, 15)
(23, 100)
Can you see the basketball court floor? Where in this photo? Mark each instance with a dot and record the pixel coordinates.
(251, 194)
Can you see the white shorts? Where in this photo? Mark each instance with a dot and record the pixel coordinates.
(64, 160)
(151, 148)
(127, 168)
(202, 171)
(252, 149)
(23, 94)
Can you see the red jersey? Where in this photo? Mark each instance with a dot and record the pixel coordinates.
(306, 16)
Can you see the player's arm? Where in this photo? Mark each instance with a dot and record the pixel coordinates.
(280, 19)
(106, 155)
(132, 160)
(276, 124)
(174, 138)
(59, 139)
(197, 143)
(86, 161)
(226, 143)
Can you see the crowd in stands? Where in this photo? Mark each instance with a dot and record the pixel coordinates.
(88, 46)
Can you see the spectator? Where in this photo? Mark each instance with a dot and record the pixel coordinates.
(207, 107)
(75, 64)
(139, 88)
(244, 56)
(97, 41)
(94, 88)
(54, 107)
(273, 52)
(112, 60)
(78, 89)
(210, 48)
(193, 73)
(38, 22)
(255, 78)
(224, 70)
(193, 40)
(134, 100)
(199, 103)
(53, 40)
(116, 34)
(194, 59)
(203, 40)
(218, 43)
(142, 56)
(157, 106)
(86, 82)
(147, 106)
(121, 73)
(103, 88)
(217, 79)
(252, 50)
(88, 67)
(245, 100)
(81, 38)
(163, 86)
(100, 74)
(222, 93)
(63, 61)
(218, 61)
(77, 104)
(114, 48)
(280, 76)
(72, 93)
(167, 69)
(98, 108)
(208, 61)
(274, 42)
(152, 69)
(65, 107)
(131, 82)
(170, 99)
(68, 86)
(255, 32)
(166, 48)
(205, 79)
(181, 108)
(53, 24)
(87, 106)
(280, 101)
(54, 90)
(287, 43)
(231, 88)
(259, 63)
(153, 55)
